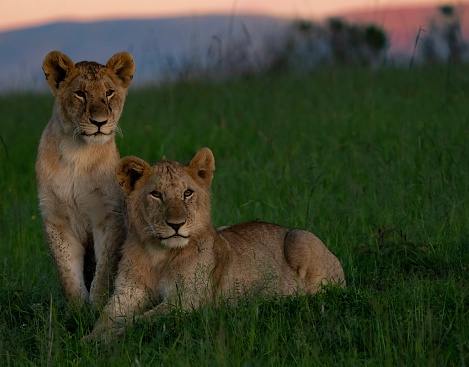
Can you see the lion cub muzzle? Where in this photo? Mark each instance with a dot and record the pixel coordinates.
(175, 218)
(176, 236)
(99, 125)
(98, 116)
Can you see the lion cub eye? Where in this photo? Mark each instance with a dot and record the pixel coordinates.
(109, 93)
(156, 194)
(188, 193)
(80, 94)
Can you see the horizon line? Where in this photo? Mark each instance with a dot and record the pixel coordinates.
(17, 26)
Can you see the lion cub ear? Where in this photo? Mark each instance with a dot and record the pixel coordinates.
(56, 66)
(202, 165)
(122, 64)
(129, 171)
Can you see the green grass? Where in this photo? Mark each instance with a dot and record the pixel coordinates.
(376, 163)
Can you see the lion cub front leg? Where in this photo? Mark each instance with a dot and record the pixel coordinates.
(124, 304)
(132, 295)
(68, 254)
(107, 242)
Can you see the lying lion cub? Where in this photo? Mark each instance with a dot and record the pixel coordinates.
(173, 254)
(80, 200)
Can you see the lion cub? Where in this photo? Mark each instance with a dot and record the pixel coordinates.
(173, 254)
(80, 200)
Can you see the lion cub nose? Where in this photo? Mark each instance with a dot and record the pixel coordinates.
(98, 123)
(175, 226)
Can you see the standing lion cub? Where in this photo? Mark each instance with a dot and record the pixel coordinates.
(80, 200)
(174, 256)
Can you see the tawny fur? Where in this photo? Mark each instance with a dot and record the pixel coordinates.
(80, 200)
(174, 256)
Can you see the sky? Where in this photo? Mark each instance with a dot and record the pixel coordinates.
(17, 14)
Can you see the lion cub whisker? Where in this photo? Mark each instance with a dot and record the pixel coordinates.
(118, 131)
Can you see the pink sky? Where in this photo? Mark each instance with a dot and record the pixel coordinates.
(23, 13)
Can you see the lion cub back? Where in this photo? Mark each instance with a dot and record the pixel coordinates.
(296, 260)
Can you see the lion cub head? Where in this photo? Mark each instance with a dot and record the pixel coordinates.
(89, 96)
(168, 203)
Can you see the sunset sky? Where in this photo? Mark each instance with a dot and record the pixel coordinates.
(23, 13)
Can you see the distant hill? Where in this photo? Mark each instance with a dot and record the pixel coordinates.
(167, 45)
(157, 44)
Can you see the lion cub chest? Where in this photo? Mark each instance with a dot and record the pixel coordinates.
(76, 182)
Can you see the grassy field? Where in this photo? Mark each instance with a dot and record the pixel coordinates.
(375, 163)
